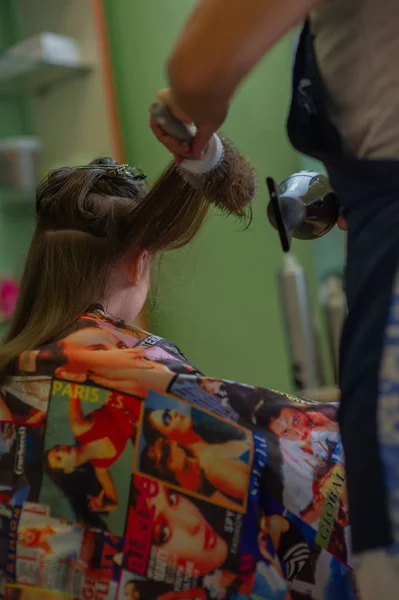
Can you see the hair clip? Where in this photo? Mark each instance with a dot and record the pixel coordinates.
(116, 170)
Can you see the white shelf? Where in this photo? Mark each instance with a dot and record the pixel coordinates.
(24, 74)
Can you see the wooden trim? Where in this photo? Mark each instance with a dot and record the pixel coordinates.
(100, 24)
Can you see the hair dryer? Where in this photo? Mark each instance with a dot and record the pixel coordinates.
(304, 206)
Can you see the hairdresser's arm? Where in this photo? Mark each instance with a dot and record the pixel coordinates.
(219, 45)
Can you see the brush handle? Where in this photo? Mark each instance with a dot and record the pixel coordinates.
(170, 124)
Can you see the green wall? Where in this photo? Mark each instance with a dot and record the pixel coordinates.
(16, 218)
(217, 299)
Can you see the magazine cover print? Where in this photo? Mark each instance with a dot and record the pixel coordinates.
(178, 445)
(131, 431)
(305, 469)
(23, 406)
(45, 553)
(21, 449)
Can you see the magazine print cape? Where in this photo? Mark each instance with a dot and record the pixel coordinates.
(126, 474)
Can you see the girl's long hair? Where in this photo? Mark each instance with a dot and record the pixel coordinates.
(87, 219)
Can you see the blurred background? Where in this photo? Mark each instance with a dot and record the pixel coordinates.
(76, 80)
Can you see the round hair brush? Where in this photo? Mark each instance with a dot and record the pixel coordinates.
(224, 176)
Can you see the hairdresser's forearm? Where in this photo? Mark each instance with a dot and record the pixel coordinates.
(220, 44)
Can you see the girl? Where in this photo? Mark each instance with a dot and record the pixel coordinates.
(87, 276)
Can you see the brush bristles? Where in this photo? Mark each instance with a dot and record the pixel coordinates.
(230, 186)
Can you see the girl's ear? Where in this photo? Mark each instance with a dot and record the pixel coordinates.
(138, 268)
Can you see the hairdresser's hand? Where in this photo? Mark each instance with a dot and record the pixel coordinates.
(181, 150)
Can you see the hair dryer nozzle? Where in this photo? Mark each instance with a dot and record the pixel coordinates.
(275, 215)
(304, 206)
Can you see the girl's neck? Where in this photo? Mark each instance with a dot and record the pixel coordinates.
(123, 298)
(123, 306)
